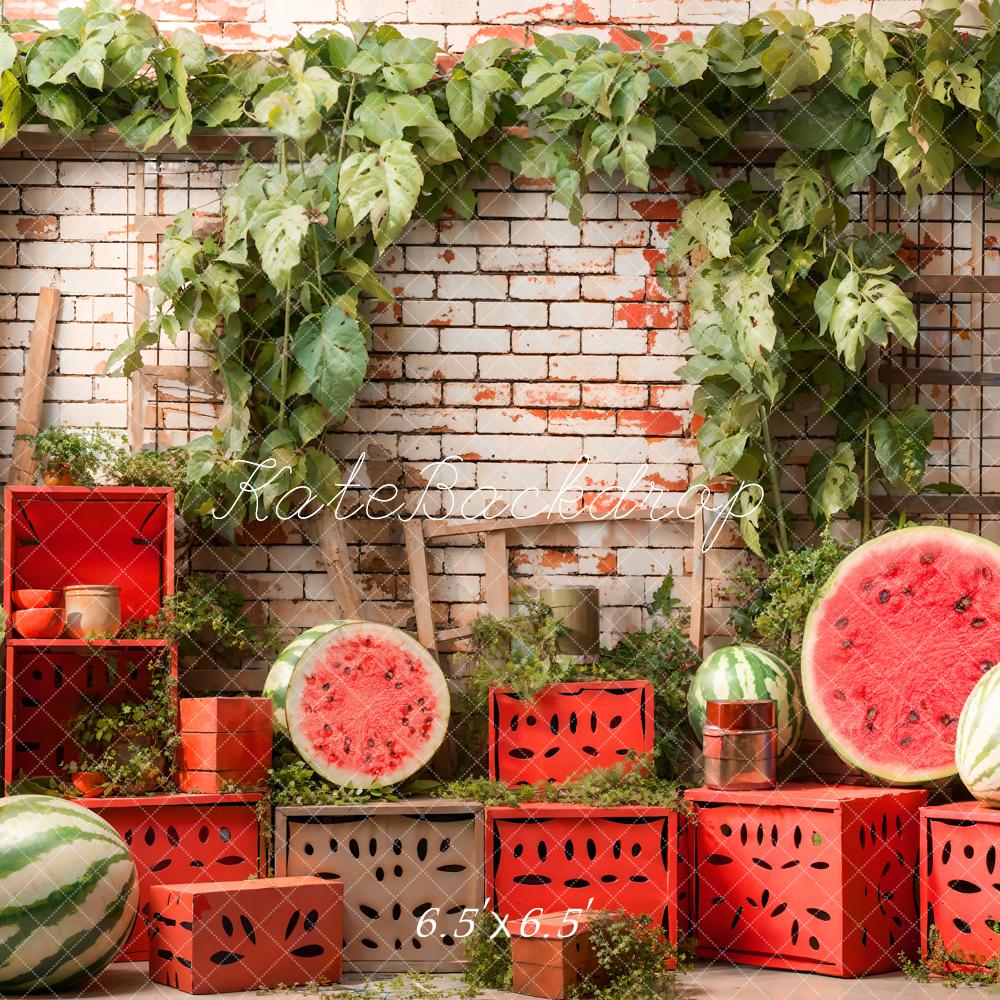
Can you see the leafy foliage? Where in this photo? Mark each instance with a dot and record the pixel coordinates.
(294, 783)
(951, 968)
(81, 456)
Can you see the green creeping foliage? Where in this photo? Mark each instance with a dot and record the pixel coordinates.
(941, 965)
(292, 782)
(625, 784)
(787, 296)
(775, 609)
(82, 455)
(489, 963)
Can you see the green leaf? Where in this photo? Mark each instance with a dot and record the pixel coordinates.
(485, 54)
(382, 187)
(683, 62)
(802, 192)
(408, 63)
(901, 446)
(954, 81)
(8, 51)
(720, 450)
(832, 484)
(747, 296)
(894, 306)
(10, 106)
(278, 229)
(309, 421)
(469, 106)
(854, 321)
(707, 220)
(332, 351)
(794, 61)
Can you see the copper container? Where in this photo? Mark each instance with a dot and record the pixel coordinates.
(579, 610)
(740, 744)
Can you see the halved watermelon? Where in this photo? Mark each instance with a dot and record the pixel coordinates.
(899, 636)
(364, 703)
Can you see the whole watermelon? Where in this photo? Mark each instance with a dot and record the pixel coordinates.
(68, 895)
(977, 740)
(735, 673)
(364, 703)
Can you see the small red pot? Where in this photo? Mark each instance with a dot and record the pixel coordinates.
(35, 598)
(39, 623)
(89, 783)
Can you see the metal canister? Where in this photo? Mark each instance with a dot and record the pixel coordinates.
(740, 744)
(579, 610)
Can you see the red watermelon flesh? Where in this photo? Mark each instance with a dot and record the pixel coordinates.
(367, 705)
(894, 644)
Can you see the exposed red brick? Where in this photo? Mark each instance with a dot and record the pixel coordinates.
(664, 209)
(556, 558)
(652, 423)
(38, 227)
(607, 564)
(638, 315)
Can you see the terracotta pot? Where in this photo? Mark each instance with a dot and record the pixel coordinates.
(92, 610)
(89, 783)
(35, 598)
(61, 477)
(39, 623)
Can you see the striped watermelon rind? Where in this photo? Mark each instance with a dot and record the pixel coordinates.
(977, 740)
(68, 897)
(749, 672)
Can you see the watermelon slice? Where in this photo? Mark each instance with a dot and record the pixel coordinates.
(896, 641)
(364, 703)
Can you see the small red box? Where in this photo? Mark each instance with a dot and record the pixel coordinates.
(225, 751)
(960, 885)
(552, 858)
(183, 838)
(567, 730)
(225, 743)
(225, 715)
(551, 958)
(216, 782)
(808, 877)
(252, 935)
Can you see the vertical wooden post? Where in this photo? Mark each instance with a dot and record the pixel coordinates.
(420, 587)
(496, 582)
(697, 634)
(29, 411)
(326, 531)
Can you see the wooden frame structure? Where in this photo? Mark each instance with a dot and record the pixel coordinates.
(496, 536)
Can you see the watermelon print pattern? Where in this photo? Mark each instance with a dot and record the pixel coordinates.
(69, 894)
(749, 672)
(977, 741)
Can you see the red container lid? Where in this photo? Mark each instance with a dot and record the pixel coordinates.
(741, 716)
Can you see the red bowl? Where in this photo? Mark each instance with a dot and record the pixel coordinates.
(40, 623)
(35, 598)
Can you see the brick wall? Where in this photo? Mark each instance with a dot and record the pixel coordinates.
(518, 341)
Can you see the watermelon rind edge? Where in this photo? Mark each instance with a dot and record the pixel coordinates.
(806, 669)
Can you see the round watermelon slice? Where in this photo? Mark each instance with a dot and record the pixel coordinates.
(364, 703)
(896, 641)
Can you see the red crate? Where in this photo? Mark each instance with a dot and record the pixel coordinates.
(567, 730)
(960, 884)
(549, 858)
(183, 838)
(807, 877)
(57, 537)
(226, 715)
(255, 935)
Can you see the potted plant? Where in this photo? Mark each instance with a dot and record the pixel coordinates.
(72, 458)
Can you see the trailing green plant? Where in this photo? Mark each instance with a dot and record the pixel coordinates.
(631, 782)
(787, 295)
(131, 743)
(775, 609)
(82, 455)
(204, 615)
(293, 782)
(951, 968)
(489, 964)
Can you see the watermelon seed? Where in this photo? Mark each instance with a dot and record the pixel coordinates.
(883, 596)
(371, 741)
(839, 695)
(913, 716)
(389, 674)
(978, 622)
(948, 720)
(368, 758)
(347, 744)
(868, 585)
(906, 741)
(840, 623)
(326, 686)
(963, 603)
(985, 665)
(987, 573)
(398, 685)
(846, 644)
(398, 871)
(327, 728)
(347, 671)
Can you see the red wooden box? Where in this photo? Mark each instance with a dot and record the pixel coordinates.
(567, 730)
(180, 839)
(225, 742)
(960, 885)
(226, 715)
(807, 877)
(254, 935)
(57, 537)
(550, 958)
(553, 857)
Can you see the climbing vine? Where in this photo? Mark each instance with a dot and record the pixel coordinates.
(372, 129)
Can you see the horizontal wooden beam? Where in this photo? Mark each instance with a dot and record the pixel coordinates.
(892, 374)
(938, 286)
(938, 504)
(149, 228)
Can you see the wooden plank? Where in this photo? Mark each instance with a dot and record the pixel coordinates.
(938, 285)
(893, 374)
(29, 411)
(697, 633)
(205, 680)
(420, 588)
(938, 504)
(497, 584)
(326, 531)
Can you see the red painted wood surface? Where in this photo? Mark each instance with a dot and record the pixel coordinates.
(225, 751)
(553, 857)
(183, 838)
(806, 877)
(226, 715)
(209, 782)
(960, 883)
(56, 537)
(246, 935)
(567, 730)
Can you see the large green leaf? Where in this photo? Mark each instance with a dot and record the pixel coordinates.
(332, 351)
(832, 482)
(278, 229)
(901, 446)
(720, 448)
(802, 192)
(383, 187)
(793, 61)
(707, 220)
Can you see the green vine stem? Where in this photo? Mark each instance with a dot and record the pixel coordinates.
(284, 355)
(866, 515)
(772, 472)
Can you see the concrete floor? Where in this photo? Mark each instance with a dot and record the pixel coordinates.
(707, 982)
